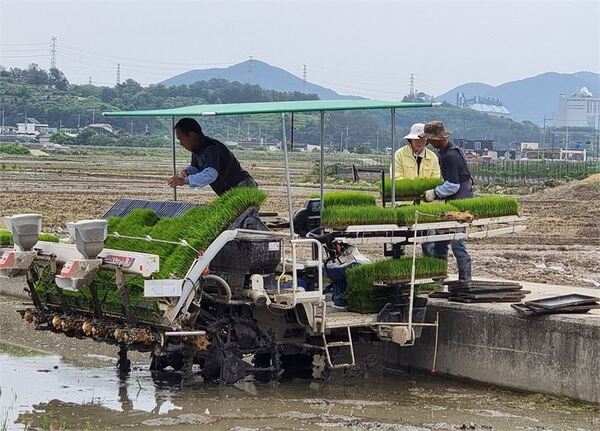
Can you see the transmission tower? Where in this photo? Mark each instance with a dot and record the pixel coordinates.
(53, 53)
(304, 79)
(90, 81)
(118, 73)
(251, 71)
(411, 90)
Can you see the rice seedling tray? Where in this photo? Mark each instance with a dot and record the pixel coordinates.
(527, 311)
(409, 188)
(562, 301)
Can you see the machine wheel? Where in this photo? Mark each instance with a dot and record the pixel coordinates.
(239, 348)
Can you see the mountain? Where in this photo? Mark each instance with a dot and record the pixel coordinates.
(530, 98)
(263, 74)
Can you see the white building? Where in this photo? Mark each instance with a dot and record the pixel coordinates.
(581, 109)
(32, 127)
(488, 105)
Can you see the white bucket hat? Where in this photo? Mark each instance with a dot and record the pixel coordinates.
(416, 131)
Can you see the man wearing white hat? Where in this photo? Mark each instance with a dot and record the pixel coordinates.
(414, 160)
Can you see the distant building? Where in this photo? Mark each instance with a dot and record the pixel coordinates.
(488, 105)
(102, 129)
(32, 127)
(581, 109)
(8, 130)
(478, 146)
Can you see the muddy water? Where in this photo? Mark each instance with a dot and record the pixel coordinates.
(44, 392)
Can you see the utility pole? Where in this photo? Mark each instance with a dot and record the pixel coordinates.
(377, 144)
(251, 71)
(94, 116)
(544, 135)
(60, 125)
(131, 127)
(118, 73)
(53, 53)
(78, 122)
(347, 137)
(304, 79)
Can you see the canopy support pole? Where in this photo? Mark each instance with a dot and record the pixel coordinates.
(393, 135)
(287, 179)
(174, 160)
(292, 133)
(322, 162)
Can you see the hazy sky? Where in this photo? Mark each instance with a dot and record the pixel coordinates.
(367, 47)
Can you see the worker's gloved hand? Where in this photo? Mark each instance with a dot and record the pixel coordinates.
(430, 195)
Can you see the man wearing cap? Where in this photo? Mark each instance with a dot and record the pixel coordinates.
(212, 162)
(414, 160)
(458, 184)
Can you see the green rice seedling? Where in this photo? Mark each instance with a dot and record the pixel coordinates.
(198, 226)
(362, 294)
(488, 206)
(340, 217)
(410, 188)
(350, 198)
(428, 213)
(6, 237)
(48, 237)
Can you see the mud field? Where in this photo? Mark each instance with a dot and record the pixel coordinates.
(52, 382)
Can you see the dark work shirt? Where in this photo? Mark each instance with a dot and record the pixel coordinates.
(214, 154)
(454, 169)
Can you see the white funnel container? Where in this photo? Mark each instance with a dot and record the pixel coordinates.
(25, 229)
(89, 236)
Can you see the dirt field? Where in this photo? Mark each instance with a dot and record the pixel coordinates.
(561, 244)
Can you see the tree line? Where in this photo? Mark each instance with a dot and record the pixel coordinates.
(50, 98)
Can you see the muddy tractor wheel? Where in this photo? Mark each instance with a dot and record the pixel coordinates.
(240, 348)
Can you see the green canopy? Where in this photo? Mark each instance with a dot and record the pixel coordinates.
(269, 108)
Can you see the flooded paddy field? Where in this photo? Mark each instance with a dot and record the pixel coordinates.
(41, 391)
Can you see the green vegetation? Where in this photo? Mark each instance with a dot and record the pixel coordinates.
(6, 237)
(347, 199)
(50, 98)
(410, 188)
(198, 226)
(488, 206)
(364, 296)
(340, 217)
(14, 149)
(513, 172)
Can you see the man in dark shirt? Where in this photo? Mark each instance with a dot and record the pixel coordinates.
(458, 184)
(212, 162)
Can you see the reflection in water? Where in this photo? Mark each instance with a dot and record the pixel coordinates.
(69, 397)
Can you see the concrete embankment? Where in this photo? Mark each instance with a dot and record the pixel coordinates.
(556, 354)
(14, 287)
